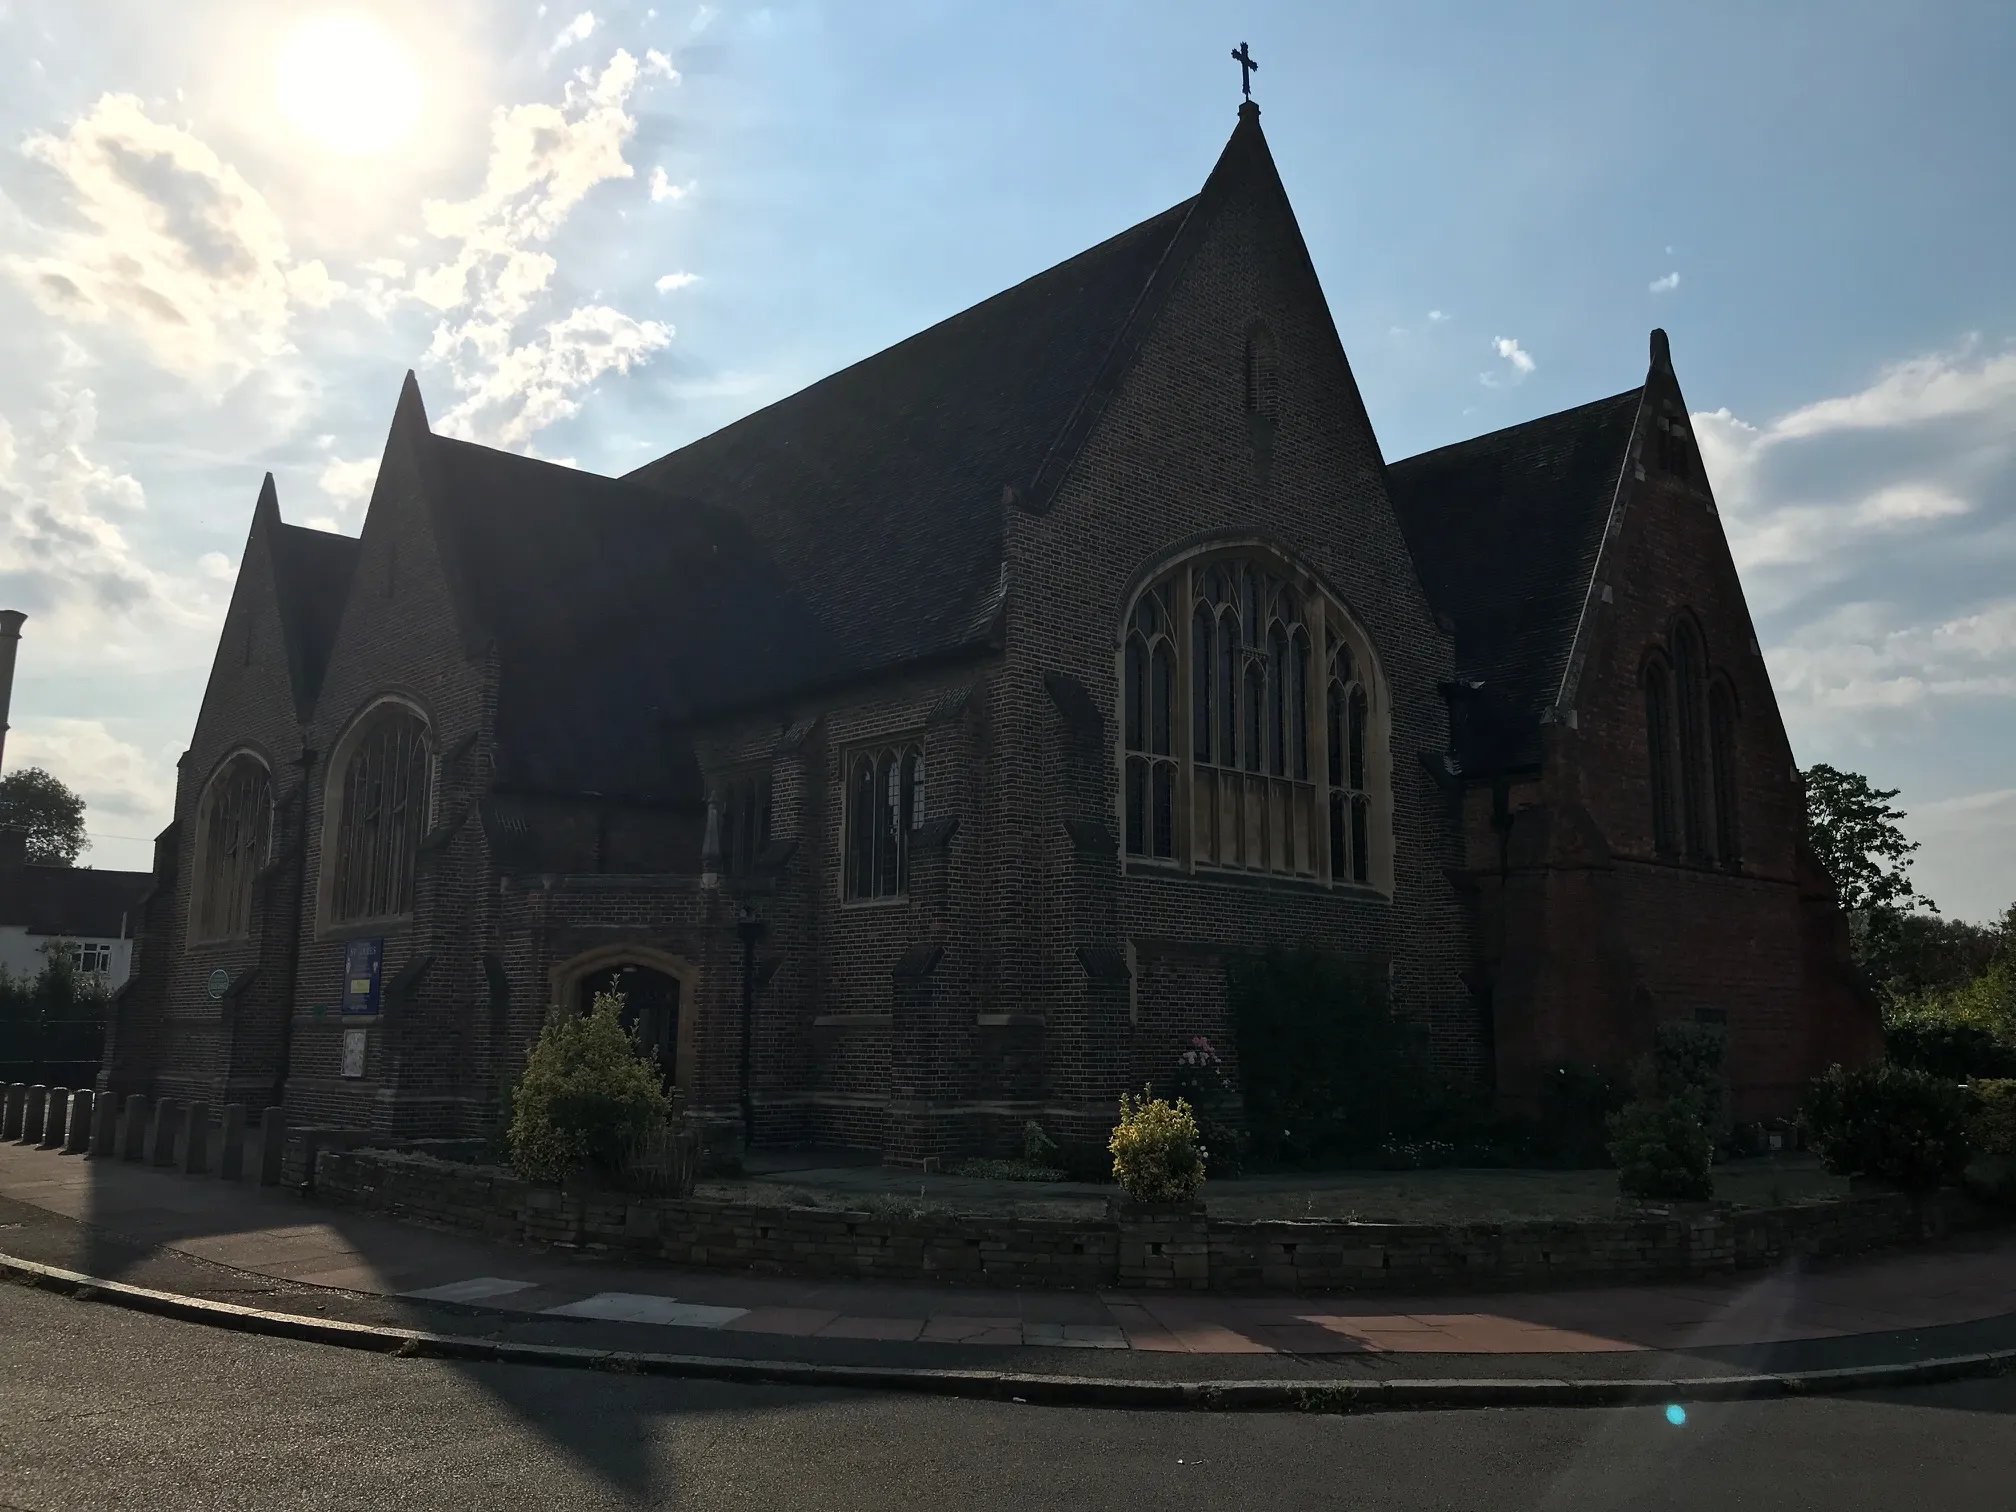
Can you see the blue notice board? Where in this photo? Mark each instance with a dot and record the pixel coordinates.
(363, 960)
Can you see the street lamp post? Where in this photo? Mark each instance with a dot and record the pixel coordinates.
(749, 925)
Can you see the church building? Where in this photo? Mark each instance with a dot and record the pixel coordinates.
(916, 752)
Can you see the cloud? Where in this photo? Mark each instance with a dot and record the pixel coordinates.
(1521, 360)
(662, 188)
(702, 19)
(519, 367)
(349, 483)
(98, 602)
(171, 244)
(580, 29)
(127, 791)
(1666, 284)
(1435, 317)
(672, 281)
(214, 564)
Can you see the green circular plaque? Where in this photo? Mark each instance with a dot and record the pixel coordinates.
(219, 980)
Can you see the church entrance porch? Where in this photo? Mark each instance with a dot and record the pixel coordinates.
(650, 1009)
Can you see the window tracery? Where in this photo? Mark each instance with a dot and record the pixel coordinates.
(885, 809)
(381, 815)
(236, 836)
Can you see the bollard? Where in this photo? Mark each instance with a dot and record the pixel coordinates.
(272, 1144)
(196, 1139)
(56, 1119)
(133, 1130)
(161, 1132)
(17, 1102)
(105, 1127)
(83, 1122)
(231, 1157)
(32, 1114)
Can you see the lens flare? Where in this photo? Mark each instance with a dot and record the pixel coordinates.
(1676, 1415)
(345, 81)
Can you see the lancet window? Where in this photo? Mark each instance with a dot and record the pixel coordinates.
(381, 795)
(235, 838)
(885, 809)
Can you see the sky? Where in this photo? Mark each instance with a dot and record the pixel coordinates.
(229, 227)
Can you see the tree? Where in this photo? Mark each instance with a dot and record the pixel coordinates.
(44, 809)
(1853, 830)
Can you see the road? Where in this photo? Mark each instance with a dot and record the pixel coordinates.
(102, 1408)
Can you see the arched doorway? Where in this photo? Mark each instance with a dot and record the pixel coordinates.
(650, 1009)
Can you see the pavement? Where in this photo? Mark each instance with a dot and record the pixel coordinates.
(107, 1409)
(274, 1249)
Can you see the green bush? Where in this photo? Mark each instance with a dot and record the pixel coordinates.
(1946, 1047)
(1907, 1128)
(1157, 1154)
(1327, 1067)
(1991, 1124)
(1663, 1150)
(589, 1097)
(1690, 1062)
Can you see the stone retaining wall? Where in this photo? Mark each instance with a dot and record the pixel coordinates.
(1161, 1248)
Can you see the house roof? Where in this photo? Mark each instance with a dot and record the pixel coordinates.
(78, 902)
(1505, 530)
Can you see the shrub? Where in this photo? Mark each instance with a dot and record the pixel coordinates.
(1690, 1062)
(1948, 1048)
(1904, 1127)
(587, 1098)
(1663, 1150)
(1327, 1066)
(661, 1160)
(1157, 1155)
(1991, 1126)
(1200, 1079)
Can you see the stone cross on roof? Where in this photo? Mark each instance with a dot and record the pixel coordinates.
(1246, 69)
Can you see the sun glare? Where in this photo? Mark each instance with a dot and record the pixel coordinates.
(346, 81)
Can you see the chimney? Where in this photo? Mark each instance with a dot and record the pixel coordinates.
(10, 642)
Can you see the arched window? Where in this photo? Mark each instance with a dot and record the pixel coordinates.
(1263, 374)
(235, 839)
(381, 788)
(885, 808)
(1659, 746)
(1689, 690)
(1150, 729)
(1722, 752)
(1274, 782)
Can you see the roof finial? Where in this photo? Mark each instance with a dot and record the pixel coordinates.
(1246, 69)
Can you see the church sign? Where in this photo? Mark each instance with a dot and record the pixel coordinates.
(362, 964)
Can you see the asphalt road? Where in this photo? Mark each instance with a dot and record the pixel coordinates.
(101, 1408)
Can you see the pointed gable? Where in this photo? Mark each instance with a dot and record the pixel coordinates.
(311, 579)
(1505, 530)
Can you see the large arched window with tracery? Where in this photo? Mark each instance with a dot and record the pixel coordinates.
(379, 792)
(1274, 766)
(235, 837)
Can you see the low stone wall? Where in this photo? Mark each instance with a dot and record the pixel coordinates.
(1159, 1248)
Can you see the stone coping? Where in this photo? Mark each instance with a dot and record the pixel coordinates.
(1163, 1248)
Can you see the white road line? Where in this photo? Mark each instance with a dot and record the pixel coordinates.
(636, 1307)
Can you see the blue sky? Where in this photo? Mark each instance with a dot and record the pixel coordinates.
(610, 228)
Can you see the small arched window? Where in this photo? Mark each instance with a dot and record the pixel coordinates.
(1659, 748)
(1263, 374)
(885, 808)
(1282, 774)
(1689, 688)
(1722, 754)
(745, 822)
(381, 791)
(235, 839)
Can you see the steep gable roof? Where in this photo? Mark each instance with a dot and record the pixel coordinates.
(311, 578)
(879, 491)
(1505, 530)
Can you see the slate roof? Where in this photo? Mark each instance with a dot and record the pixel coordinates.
(1505, 530)
(878, 491)
(311, 579)
(78, 902)
(619, 614)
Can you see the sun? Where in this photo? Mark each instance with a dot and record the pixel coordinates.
(348, 83)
